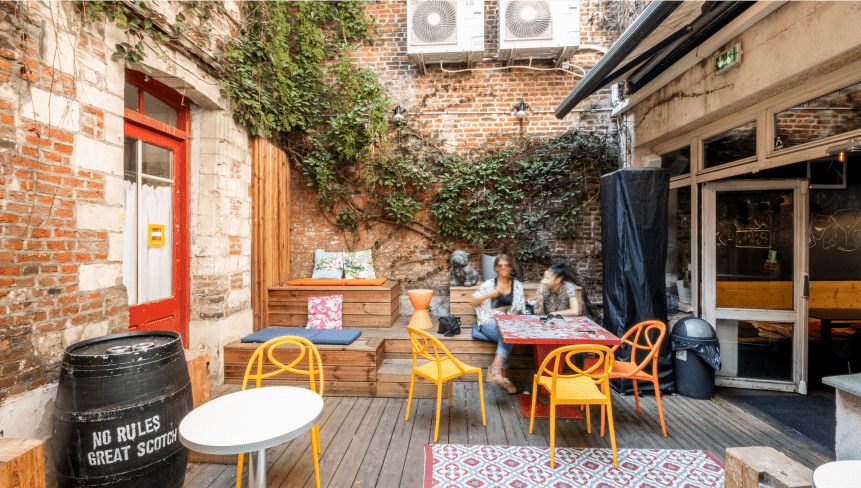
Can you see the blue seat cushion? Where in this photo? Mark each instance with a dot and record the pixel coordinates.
(316, 336)
(273, 332)
(341, 337)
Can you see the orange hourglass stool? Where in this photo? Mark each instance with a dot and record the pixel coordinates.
(420, 300)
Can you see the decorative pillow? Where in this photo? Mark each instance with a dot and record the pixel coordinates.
(324, 312)
(358, 265)
(328, 265)
(487, 270)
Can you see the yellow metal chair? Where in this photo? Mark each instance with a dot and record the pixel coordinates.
(579, 388)
(441, 368)
(306, 352)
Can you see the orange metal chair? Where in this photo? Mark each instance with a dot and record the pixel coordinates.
(579, 388)
(440, 369)
(314, 369)
(636, 370)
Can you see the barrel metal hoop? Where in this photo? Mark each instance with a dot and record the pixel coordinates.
(121, 413)
(127, 476)
(112, 370)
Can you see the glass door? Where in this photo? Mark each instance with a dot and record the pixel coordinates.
(755, 283)
(156, 262)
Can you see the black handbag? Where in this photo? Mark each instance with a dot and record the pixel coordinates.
(449, 326)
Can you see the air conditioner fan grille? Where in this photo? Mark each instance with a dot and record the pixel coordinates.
(528, 19)
(435, 21)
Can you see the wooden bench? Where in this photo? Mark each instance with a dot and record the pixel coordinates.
(460, 296)
(363, 306)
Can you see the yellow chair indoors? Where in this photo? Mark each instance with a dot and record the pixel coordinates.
(314, 369)
(587, 386)
(440, 369)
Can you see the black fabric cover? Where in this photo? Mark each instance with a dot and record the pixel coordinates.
(634, 247)
(695, 334)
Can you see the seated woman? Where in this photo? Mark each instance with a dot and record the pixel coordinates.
(556, 296)
(501, 295)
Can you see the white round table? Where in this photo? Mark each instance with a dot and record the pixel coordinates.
(838, 474)
(251, 421)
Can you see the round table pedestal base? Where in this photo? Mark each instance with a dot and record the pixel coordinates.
(257, 469)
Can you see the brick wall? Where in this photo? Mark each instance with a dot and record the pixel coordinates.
(52, 291)
(61, 198)
(406, 256)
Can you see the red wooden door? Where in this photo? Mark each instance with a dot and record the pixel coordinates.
(155, 201)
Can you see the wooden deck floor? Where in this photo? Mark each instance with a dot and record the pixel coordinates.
(366, 442)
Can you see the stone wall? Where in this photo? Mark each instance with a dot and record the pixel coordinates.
(466, 109)
(61, 201)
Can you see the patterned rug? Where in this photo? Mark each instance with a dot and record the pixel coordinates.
(453, 465)
(542, 411)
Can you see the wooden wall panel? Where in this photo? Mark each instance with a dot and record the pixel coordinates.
(270, 234)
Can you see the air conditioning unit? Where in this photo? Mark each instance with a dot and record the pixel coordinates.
(538, 30)
(445, 32)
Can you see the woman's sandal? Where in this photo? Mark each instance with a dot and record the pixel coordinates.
(508, 386)
(495, 378)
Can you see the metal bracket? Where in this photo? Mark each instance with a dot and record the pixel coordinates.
(511, 58)
(422, 64)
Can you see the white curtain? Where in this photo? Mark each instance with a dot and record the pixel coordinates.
(130, 255)
(156, 262)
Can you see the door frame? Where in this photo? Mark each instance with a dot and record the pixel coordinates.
(798, 315)
(139, 126)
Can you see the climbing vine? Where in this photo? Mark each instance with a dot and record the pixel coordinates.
(289, 73)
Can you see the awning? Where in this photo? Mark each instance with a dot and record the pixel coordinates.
(659, 37)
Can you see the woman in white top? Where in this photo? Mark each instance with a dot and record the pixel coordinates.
(501, 295)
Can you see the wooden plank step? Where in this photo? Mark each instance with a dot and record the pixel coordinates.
(383, 293)
(300, 319)
(348, 308)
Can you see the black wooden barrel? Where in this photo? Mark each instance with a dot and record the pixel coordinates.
(116, 416)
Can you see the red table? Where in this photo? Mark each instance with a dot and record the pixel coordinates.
(527, 329)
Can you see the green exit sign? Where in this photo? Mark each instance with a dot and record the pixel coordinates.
(728, 59)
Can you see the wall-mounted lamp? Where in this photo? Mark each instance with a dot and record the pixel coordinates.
(398, 113)
(520, 110)
(851, 146)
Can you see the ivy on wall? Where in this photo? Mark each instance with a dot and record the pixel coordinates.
(289, 75)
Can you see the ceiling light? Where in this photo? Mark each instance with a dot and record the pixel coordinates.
(853, 145)
(398, 113)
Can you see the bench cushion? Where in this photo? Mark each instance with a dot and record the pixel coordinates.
(316, 336)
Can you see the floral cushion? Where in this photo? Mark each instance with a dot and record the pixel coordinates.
(328, 265)
(324, 312)
(358, 265)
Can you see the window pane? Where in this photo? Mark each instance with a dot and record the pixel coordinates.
(826, 116)
(754, 349)
(157, 161)
(130, 97)
(130, 236)
(729, 146)
(158, 110)
(678, 161)
(679, 241)
(156, 242)
(754, 249)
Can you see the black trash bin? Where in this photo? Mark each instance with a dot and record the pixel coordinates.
(697, 357)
